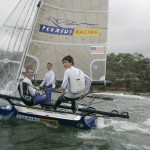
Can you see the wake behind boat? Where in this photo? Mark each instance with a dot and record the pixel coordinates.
(117, 96)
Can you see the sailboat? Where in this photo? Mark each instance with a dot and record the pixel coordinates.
(46, 31)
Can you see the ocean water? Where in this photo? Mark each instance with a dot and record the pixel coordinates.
(110, 134)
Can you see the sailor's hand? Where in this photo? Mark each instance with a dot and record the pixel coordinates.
(82, 95)
(37, 88)
(62, 94)
(53, 85)
(46, 86)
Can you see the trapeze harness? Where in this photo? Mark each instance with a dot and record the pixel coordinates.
(24, 94)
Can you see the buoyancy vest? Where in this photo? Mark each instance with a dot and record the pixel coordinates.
(24, 94)
(76, 83)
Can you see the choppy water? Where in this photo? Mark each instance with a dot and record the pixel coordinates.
(110, 134)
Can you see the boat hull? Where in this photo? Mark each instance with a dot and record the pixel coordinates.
(50, 117)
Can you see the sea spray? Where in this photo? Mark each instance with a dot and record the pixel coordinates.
(100, 123)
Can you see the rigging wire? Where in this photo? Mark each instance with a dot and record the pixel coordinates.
(20, 29)
(8, 39)
(26, 11)
(28, 41)
(27, 19)
(11, 38)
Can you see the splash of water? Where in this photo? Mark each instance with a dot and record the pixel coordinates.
(147, 122)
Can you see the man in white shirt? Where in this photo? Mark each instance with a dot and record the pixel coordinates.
(49, 79)
(75, 84)
(29, 95)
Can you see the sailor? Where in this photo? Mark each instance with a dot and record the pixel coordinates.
(49, 79)
(29, 95)
(75, 84)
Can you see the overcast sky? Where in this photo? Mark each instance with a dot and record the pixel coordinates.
(128, 24)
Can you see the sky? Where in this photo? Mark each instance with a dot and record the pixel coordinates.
(128, 25)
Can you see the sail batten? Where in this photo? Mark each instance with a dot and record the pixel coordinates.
(72, 44)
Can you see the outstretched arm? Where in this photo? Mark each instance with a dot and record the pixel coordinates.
(43, 82)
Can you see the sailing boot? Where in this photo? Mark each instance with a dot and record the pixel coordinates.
(58, 102)
(74, 106)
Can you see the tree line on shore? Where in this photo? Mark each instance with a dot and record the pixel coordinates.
(130, 72)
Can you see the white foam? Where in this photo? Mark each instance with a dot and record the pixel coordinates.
(92, 134)
(128, 126)
(131, 146)
(146, 147)
(122, 126)
(137, 147)
(147, 122)
(101, 123)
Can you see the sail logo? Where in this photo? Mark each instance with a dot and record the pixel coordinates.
(87, 32)
(70, 31)
(56, 30)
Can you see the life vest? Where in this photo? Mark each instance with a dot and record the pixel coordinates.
(24, 94)
(77, 83)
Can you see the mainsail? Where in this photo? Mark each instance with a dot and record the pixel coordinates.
(47, 30)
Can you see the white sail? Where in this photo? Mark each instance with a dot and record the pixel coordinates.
(14, 37)
(75, 28)
(59, 28)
